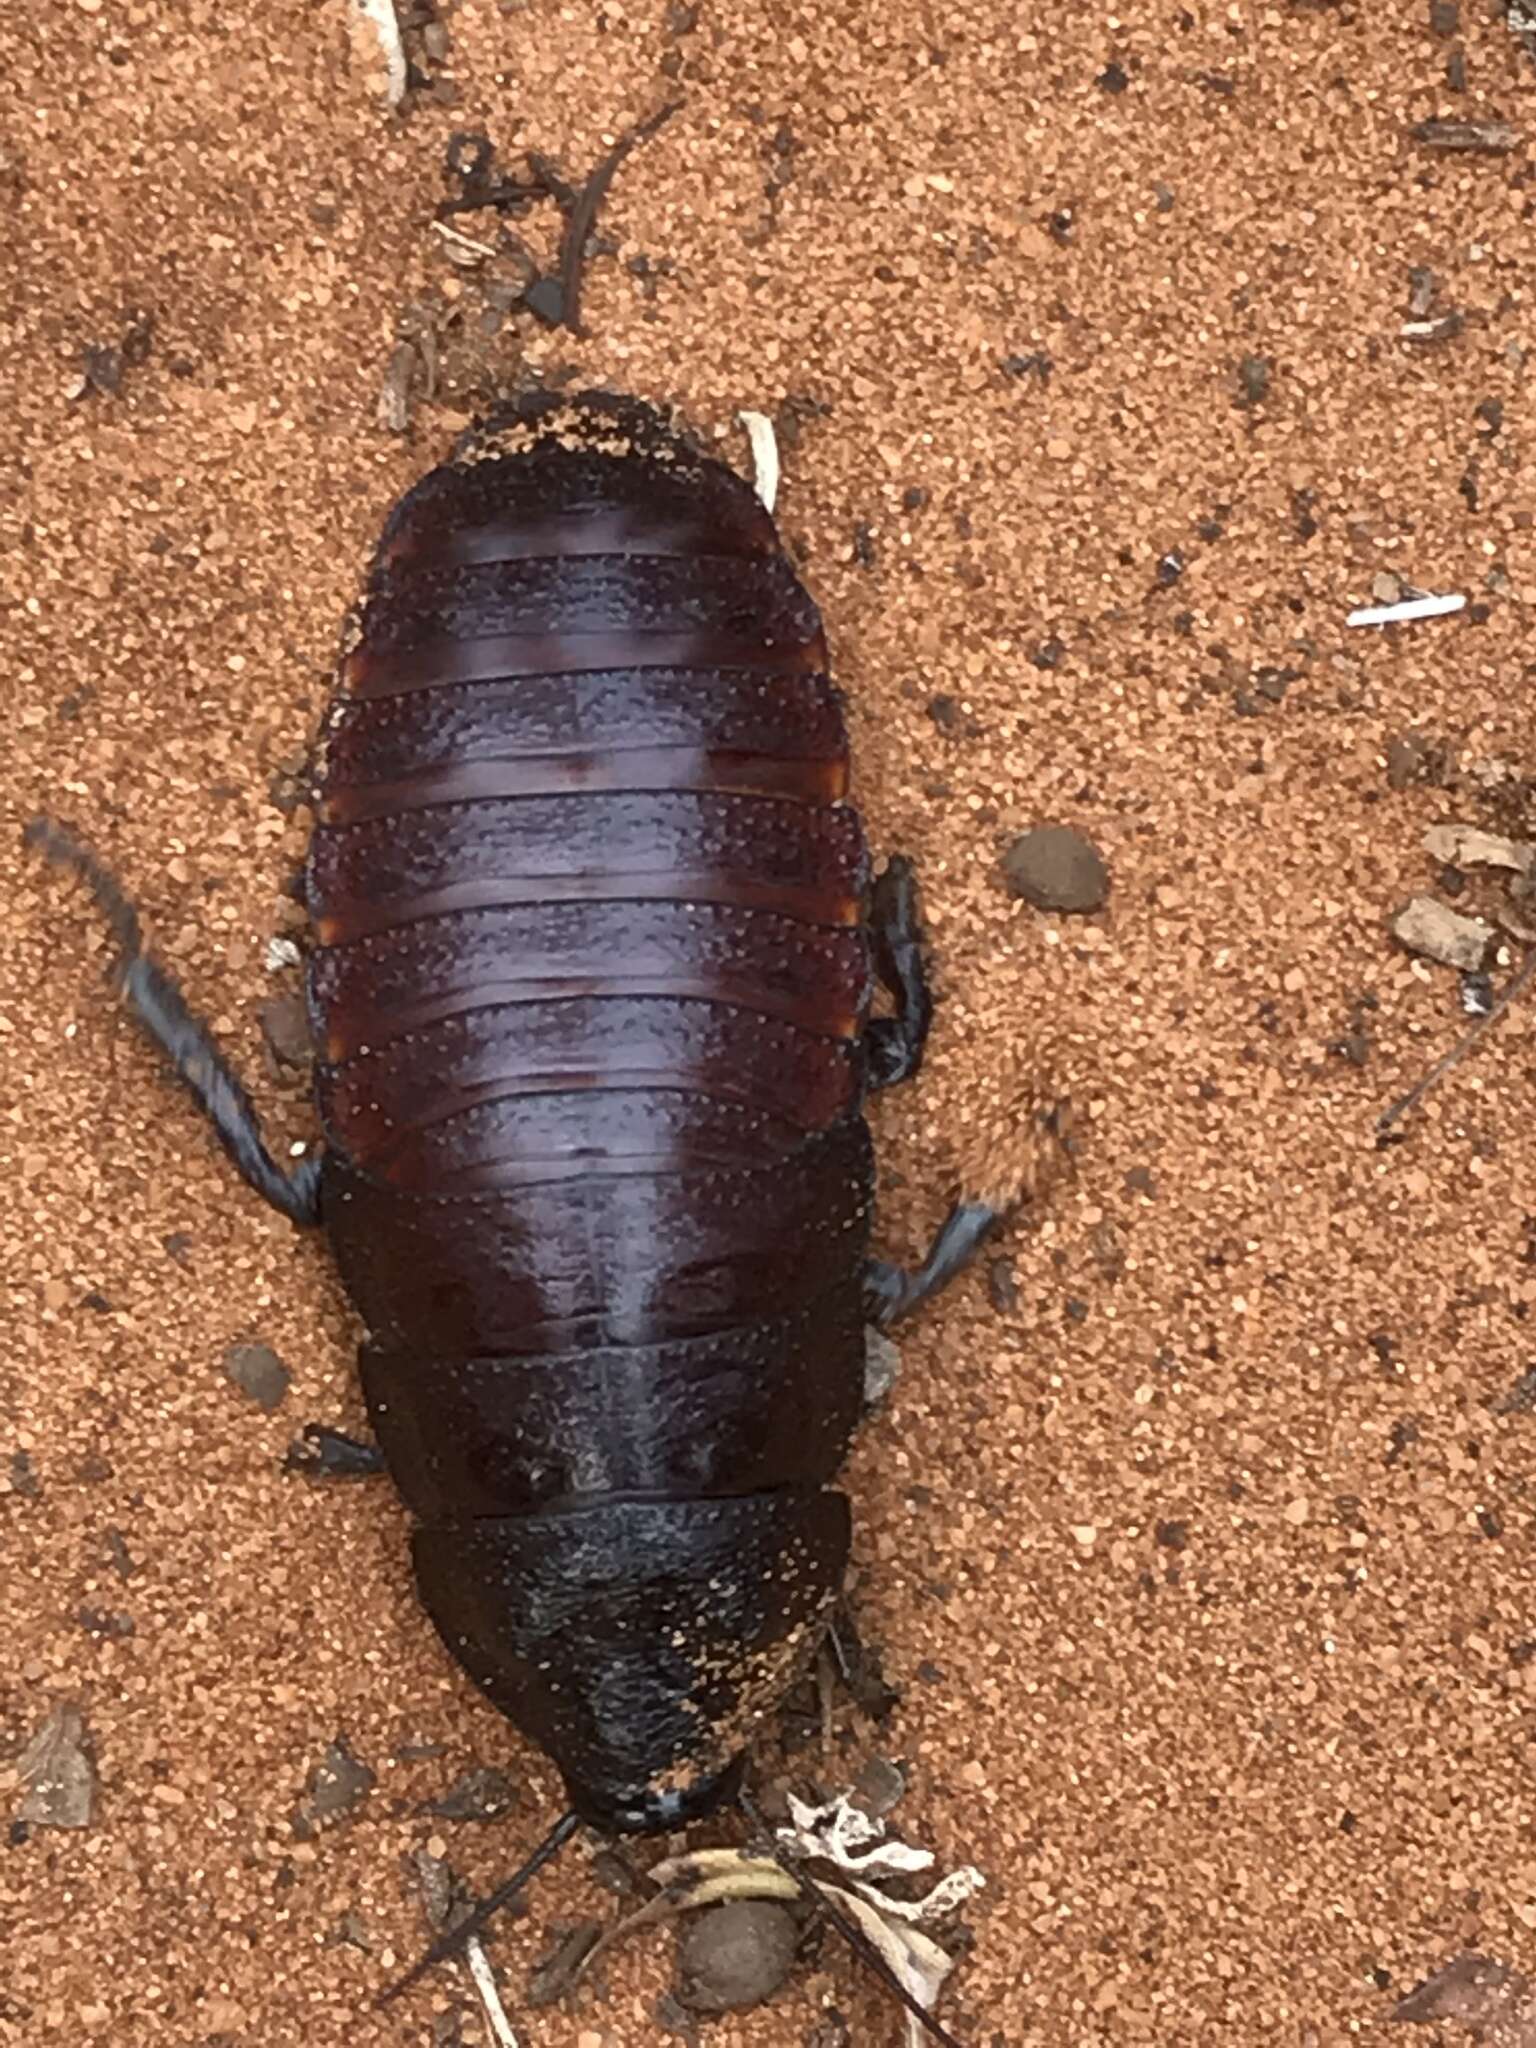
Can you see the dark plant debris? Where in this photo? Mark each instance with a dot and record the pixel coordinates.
(337, 1784)
(483, 1793)
(554, 299)
(1497, 2003)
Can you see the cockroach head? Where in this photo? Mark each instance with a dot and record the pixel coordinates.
(658, 1810)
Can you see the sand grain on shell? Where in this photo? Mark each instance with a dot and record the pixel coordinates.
(995, 272)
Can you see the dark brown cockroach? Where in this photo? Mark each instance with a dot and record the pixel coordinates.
(595, 945)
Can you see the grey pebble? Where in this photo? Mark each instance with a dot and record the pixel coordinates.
(882, 1362)
(1056, 868)
(736, 1955)
(257, 1371)
(879, 1788)
(284, 1024)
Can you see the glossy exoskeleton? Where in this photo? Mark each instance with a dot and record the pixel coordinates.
(596, 939)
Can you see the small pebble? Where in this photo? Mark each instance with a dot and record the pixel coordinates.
(882, 1362)
(1056, 868)
(257, 1371)
(284, 1024)
(735, 1955)
(879, 1788)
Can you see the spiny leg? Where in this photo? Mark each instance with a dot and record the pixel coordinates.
(1039, 1148)
(163, 1012)
(896, 1043)
(891, 1292)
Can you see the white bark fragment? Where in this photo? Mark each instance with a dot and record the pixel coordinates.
(1405, 609)
(484, 1977)
(765, 455)
(1465, 847)
(381, 18)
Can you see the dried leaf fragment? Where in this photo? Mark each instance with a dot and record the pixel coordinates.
(56, 1774)
(1496, 2002)
(1476, 138)
(1464, 846)
(1427, 927)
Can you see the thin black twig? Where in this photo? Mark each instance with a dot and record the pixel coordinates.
(450, 1943)
(1513, 988)
(581, 214)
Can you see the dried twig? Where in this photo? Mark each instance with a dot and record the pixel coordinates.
(1475, 138)
(1518, 982)
(1406, 608)
(380, 17)
(478, 1965)
(765, 455)
(581, 215)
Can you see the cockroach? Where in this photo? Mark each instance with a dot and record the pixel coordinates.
(596, 942)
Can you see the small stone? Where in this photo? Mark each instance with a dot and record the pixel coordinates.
(1406, 759)
(736, 1955)
(481, 1794)
(105, 1624)
(336, 1784)
(1085, 1534)
(545, 300)
(257, 1371)
(879, 1788)
(1298, 1512)
(882, 1362)
(1386, 587)
(1427, 927)
(1056, 868)
(1114, 78)
(57, 1777)
(21, 1477)
(285, 1028)
(1253, 380)
(1172, 1535)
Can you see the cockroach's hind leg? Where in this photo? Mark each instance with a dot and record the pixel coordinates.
(319, 1452)
(165, 1015)
(893, 1292)
(895, 1044)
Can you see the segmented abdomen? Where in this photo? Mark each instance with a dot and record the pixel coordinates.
(588, 995)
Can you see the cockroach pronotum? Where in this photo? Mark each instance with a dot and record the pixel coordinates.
(595, 948)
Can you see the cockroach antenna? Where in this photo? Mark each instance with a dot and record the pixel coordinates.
(849, 1929)
(453, 1940)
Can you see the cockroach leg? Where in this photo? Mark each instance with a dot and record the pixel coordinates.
(896, 1043)
(319, 1452)
(165, 1015)
(891, 1292)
